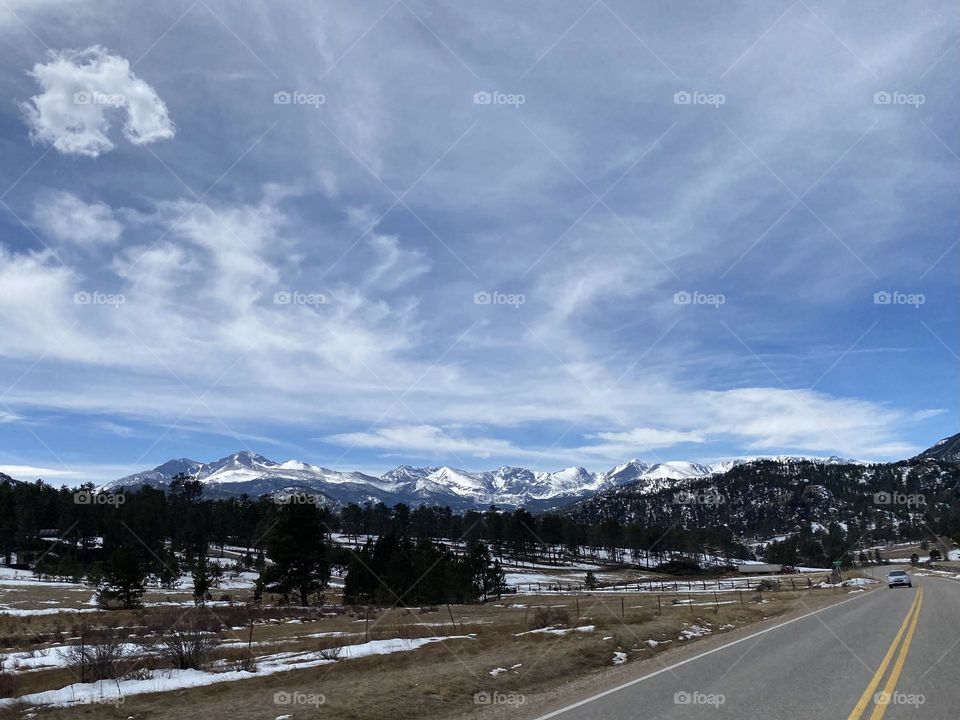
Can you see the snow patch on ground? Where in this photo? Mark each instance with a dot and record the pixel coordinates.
(106, 691)
(694, 631)
(556, 631)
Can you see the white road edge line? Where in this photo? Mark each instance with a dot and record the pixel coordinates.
(670, 668)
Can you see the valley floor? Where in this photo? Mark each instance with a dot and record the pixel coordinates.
(428, 662)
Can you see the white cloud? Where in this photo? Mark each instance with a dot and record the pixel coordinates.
(36, 301)
(28, 472)
(82, 92)
(396, 265)
(599, 304)
(65, 217)
(424, 439)
(73, 475)
(637, 440)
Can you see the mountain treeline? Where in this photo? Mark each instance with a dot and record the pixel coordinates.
(909, 500)
(121, 542)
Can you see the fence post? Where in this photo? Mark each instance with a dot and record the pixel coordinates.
(659, 608)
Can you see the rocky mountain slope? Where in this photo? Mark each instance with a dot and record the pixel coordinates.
(776, 496)
(253, 474)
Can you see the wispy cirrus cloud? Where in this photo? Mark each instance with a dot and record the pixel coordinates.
(63, 216)
(298, 271)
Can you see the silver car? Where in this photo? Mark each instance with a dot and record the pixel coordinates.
(898, 577)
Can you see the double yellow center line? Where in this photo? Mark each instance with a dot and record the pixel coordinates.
(883, 699)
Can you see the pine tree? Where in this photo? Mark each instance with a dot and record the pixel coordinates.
(296, 547)
(124, 578)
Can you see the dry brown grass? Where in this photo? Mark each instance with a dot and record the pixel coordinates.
(440, 679)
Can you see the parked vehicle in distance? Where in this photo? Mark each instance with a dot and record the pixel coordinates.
(898, 577)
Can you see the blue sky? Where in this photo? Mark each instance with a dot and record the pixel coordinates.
(543, 234)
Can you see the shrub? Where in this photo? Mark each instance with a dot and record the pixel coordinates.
(331, 653)
(247, 663)
(9, 683)
(187, 644)
(100, 656)
(550, 617)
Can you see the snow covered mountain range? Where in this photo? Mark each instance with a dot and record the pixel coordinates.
(255, 475)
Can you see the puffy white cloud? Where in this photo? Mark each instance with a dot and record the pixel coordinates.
(82, 91)
(65, 217)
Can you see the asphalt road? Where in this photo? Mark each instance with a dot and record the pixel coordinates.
(900, 645)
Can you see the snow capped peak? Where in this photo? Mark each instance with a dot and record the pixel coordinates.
(508, 486)
(406, 473)
(628, 472)
(245, 458)
(678, 469)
